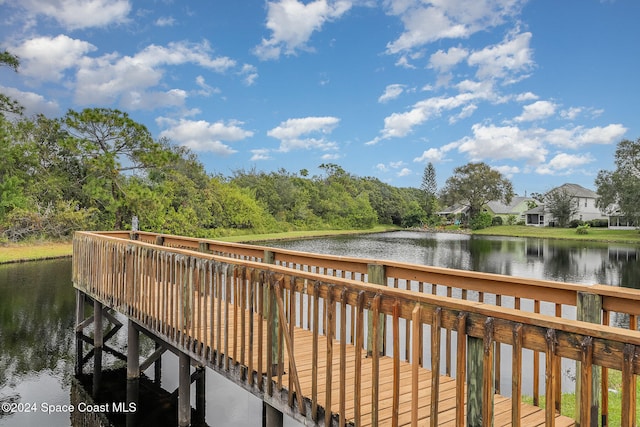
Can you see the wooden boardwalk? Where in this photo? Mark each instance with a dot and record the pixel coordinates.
(331, 350)
(232, 326)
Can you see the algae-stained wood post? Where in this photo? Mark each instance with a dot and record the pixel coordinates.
(588, 309)
(376, 274)
(480, 377)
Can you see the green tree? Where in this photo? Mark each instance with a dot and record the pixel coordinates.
(561, 204)
(620, 189)
(112, 147)
(476, 184)
(8, 104)
(430, 188)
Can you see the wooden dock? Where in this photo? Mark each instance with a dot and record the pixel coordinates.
(338, 351)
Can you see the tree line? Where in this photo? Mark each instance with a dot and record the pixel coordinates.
(97, 168)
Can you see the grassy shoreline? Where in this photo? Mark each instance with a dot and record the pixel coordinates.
(604, 235)
(42, 250)
(31, 251)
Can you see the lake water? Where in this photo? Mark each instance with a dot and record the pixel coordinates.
(37, 310)
(561, 260)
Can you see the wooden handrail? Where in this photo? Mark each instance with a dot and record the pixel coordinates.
(197, 300)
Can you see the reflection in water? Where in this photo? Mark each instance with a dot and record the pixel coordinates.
(36, 337)
(559, 260)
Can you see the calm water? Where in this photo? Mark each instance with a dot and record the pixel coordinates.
(37, 305)
(566, 261)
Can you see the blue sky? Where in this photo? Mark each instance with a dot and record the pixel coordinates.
(540, 90)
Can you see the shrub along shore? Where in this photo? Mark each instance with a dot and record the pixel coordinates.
(38, 250)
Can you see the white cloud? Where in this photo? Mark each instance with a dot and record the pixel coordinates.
(205, 89)
(391, 92)
(466, 112)
(527, 96)
(106, 79)
(78, 14)
(564, 164)
(291, 132)
(602, 135)
(260, 154)
(292, 23)
(502, 142)
(429, 21)
(382, 167)
(571, 113)
(537, 111)
(33, 103)
(579, 136)
(507, 60)
(250, 74)
(47, 58)
(134, 100)
(398, 125)
(443, 61)
(507, 171)
(165, 21)
(204, 136)
(430, 155)
(404, 172)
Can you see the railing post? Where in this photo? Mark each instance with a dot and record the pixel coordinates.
(160, 240)
(271, 309)
(588, 309)
(184, 390)
(480, 353)
(376, 274)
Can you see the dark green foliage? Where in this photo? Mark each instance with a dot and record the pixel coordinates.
(582, 229)
(619, 190)
(474, 185)
(562, 205)
(97, 169)
(480, 221)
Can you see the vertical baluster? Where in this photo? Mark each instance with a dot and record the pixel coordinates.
(461, 368)
(416, 323)
(550, 378)
(536, 365)
(357, 395)
(314, 369)
(343, 355)
(395, 409)
(330, 306)
(628, 387)
(375, 363)
(435, 364)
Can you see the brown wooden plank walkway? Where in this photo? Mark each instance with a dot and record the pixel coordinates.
(303, 354)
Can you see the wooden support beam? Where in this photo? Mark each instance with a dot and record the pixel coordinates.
(133, 352)
(184, 390)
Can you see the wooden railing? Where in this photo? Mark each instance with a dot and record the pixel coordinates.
(182, 294)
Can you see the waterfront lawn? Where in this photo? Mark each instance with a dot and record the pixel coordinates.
(615, 400)
(593, 234)
(34, 250)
